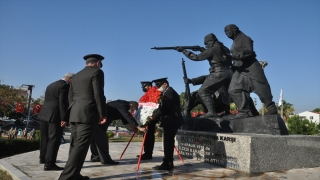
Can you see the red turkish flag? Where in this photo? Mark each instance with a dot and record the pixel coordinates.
(37, 108)
(19, 107)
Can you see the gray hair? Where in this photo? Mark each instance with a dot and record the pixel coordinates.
(68, 75)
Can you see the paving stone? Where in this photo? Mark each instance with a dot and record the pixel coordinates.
(27, 167)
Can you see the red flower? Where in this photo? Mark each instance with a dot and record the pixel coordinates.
(152, 95)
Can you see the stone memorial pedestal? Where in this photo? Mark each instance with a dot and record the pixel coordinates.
(250, 153)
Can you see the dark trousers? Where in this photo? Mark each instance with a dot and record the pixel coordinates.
(149, 142)
(169, 134)
(100, 143)
(51, 133)
(213, 83)
(240, 88)
(81, 135)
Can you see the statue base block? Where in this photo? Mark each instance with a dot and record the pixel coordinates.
(250, 153)
(267, 124)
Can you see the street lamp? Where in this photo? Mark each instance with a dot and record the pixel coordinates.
(263, 65)
(29, 101)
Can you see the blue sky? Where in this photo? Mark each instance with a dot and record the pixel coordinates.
(42, 40)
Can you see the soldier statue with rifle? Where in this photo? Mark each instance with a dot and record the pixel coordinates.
(214, 90)
(220, 73)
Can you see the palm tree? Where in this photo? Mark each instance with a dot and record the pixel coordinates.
(287, 109)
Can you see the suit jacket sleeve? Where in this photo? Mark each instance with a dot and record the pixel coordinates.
(63, 99)
(164, 106)
(98, 89)
(127, 118)
(70, 94)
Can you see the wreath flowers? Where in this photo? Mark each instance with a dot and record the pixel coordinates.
(148, 103)
(152, 95)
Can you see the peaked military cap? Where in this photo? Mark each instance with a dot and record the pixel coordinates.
(160, 81)
(146, 83)
(93, 57)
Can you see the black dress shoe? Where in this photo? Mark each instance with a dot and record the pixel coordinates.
(97, 159)
(52, 167)
(112, 162)
(164, 166)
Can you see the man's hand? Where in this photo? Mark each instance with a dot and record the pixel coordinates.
(63, 123)
(179, 49)
(187, 81)
(142, 129)
(102, 120)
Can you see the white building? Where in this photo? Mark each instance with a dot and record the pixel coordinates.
(311, 116)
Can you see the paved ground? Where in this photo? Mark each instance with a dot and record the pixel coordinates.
(26, 167)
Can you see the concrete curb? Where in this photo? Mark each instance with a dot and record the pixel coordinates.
(14, 172)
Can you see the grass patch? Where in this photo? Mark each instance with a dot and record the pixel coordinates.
(4, 175)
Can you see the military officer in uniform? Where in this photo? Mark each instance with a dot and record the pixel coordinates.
(248, 76)
(169, 115)
(146, 85)
(150, 138)
(220, 74)
(87, 108)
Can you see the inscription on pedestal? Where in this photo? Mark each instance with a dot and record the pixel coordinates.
(207, 148)
(251, 153)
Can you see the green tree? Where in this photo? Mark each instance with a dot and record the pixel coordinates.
(265, 110)
(8, 98)
(287, 109)
(316, 110)
(183, 99)
(301, 126)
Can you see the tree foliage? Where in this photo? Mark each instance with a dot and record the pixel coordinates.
(287, 109)
(8, 98)
(302, 126)
(183, 101)
(316, 110)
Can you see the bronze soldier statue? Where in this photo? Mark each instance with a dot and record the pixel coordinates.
(220, 74)
(248, 76)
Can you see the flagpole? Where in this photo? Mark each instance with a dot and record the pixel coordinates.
(263, 65)
(281, 108)
(281, 101)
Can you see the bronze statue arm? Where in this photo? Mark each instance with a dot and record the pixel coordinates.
(200, 57)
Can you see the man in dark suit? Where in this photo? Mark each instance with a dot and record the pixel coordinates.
(118, 109)
(86, 110)
(52, 113)
(169, 114)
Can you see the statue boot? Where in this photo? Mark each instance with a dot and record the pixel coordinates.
(210, 105)
(272, 109)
